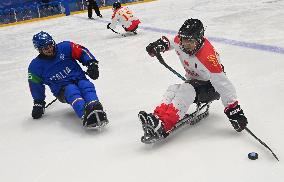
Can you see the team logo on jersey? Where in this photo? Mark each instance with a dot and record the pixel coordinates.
(62, 56)
(212, 58)
(186, 62)
(191, 72)
(61, 74)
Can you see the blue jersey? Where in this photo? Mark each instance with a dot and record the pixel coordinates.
(58, 71)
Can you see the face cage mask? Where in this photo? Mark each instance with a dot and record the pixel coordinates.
(50, 43)
(199, 41)
(54, 50)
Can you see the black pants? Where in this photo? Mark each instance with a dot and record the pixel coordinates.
(94, 6)
(205, 92)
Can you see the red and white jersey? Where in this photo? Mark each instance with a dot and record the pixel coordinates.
(205, 65)
(124, 16)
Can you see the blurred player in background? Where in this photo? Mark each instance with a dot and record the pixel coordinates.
(92, 4)
(124, 16)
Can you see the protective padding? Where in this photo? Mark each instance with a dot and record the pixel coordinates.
(167, 113)
(88, 90)
(74, 98)
(181, 96)
(170, 94)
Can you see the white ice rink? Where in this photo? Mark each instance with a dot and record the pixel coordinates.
(248, 35)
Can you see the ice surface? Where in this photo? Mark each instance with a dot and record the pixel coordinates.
(57, 148)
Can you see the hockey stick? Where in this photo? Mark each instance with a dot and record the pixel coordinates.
(117, 32)
(161, 60)
(260, 141)
(50, 103)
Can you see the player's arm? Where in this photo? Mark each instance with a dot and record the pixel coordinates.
(114, 20)
(227, 91)
(82, 54)
(37, 90)
(86, 58)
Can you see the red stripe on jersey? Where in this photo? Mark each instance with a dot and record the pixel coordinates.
(207, 56)
(177, 39)
(76, 50)
(115, 11)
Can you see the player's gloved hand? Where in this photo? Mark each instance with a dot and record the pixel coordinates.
(108, 25)
(161, 45)
(38, 109)
(236, 116)
(153, 49)
(93, 70)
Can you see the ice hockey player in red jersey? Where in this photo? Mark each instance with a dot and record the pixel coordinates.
(124, 16)
(206, 81)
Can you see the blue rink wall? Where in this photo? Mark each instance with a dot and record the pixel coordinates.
(20, 11)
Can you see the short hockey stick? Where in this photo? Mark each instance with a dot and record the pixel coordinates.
(260, 141)
(117, 32)
(161, 60)
(50, 103)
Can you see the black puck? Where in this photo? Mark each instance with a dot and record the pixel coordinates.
(253, 156)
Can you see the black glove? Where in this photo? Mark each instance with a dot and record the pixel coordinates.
(38, 109)
(93, 70)
(236, 117)
(108, 25)
(161, 45)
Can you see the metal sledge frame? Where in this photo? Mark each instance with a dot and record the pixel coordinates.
(189, 119)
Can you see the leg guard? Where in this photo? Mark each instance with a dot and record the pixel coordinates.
(184, 97)
(88, 90)
(170, 94)
(181, 95)
(175, 104)
(74, 98)
(168, 115)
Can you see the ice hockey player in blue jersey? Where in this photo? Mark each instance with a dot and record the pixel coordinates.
(57, 67)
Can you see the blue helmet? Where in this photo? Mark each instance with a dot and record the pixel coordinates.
(42, 39)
